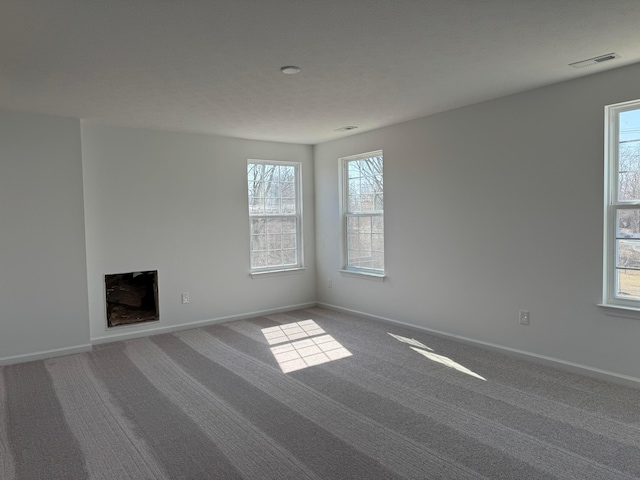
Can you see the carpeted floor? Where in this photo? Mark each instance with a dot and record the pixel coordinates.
(311, 394)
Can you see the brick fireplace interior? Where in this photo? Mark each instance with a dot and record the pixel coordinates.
(132, 298)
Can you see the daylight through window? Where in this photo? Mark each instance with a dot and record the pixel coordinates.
(622, 215)
(363, 209)
(274, 215)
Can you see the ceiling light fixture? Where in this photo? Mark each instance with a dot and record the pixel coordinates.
(346, 128)
(595, 60)
(290, 70)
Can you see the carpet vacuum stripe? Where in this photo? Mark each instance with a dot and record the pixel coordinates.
(181, 447)
(391, 448)
(322, 450)
(110, 446)
(256, 455)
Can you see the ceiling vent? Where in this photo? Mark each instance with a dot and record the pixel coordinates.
(594, 60)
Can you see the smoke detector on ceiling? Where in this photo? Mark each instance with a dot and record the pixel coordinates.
(346, 128)
(595, 60)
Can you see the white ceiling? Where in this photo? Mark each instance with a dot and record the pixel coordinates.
(212, 66)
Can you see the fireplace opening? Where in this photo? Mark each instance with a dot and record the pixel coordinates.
(132, 298)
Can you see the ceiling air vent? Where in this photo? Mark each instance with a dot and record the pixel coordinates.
(594, 60)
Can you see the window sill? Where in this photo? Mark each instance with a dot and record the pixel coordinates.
(620, 311)
(275, 273)
(367, 275)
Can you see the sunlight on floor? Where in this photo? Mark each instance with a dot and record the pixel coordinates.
(446, 361)
(302, 344)
(410, 341)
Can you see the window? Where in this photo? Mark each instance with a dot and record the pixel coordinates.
(274, 215)
(362, 213)
(622, 204)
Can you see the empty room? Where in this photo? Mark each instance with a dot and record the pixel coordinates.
(319, 240)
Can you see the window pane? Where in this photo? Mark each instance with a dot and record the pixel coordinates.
(365, 249)
(274, 258)
(377, 242)
(288, 190)
(628, 283)
(628, 253)
(272, 205)
(352, 241)
(622, 162)
(629, 155)
(289, 225)
(287, 173)
(355, 258)
(274, 242)
(377, 224)
(288, 205)
(289, 257)
(366, 202)
(364, 193)
(354, 186)
(354, 204)
(628, 223)
(378, 202)
(364, 184)
(258, 243)
(258, 259)
(274, 225)
(258, 226)
(288, 240)
(273, 209)
(364, 224)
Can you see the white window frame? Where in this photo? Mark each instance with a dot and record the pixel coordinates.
(297, 216)
(347, 269)
(612, 206)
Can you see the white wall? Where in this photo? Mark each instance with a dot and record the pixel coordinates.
(490, 209)
(177, 203)
(43, 279)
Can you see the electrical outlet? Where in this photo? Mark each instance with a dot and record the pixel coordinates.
(524, 317)
(330, 283)
(185, 297)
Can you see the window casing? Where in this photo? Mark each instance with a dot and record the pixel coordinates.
(621, 285)
(363, 213)
(275, 215)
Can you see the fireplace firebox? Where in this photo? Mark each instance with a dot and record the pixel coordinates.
(132, 298)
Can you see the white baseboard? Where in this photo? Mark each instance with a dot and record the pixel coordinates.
(30, 357)
(534, 357)
(199, 323)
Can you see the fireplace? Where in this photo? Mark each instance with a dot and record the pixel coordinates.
(132, 298)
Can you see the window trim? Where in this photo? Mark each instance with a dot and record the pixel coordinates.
(346, 269)
(263, 272)
(611, 206)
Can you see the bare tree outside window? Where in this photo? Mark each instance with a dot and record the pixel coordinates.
(274, 214)
(363, 212)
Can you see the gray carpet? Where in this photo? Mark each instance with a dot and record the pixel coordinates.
(311, 394)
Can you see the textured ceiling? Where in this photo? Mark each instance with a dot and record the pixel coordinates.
(212, 66)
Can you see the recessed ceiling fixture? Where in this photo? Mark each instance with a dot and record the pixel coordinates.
(346, 128)
(595, 60)
(290, 70)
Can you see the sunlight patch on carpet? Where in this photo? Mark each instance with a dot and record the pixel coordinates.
(303, 344)
(410, 341)
(447, 362)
